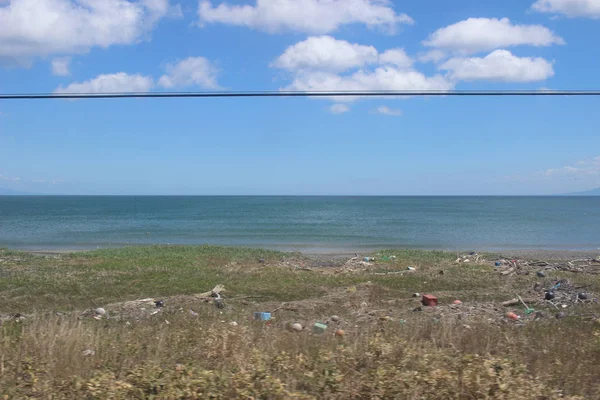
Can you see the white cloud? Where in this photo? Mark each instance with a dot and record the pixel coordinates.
(38, 28)
(582, 168)
(326, 53)
(570, 8)
(385, 110)
(396, 57)
(350, 67)
(339, 108)
(111, 83)
(193, 71)
(309, 16)
(499, 65)
(484, 34)
(60, 66)
(9, 179)
(380, 79)
(434, 55)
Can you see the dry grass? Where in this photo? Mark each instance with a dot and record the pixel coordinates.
(469, 352)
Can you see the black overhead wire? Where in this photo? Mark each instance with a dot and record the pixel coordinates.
(358, 93)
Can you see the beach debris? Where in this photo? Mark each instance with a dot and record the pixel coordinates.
(261, 261)
(233, 323)
(560, 315)
(511, 302)
(335, 318)
(319, 328)
(582, 296)
(429, 300)
(296, 327)
(411, 269)
(368, 259)
(549, 295)
(457, 302)
(512, 316)
(340, 333)
(541, 274)
(159, 303)
(441, 272)
(88, 352)
(498, 264)
(215, 292)
(193, 313)
(100, 311)
(262, 316)
(416, 295)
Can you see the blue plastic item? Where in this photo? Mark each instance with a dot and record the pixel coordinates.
(498, 264)
(262, 316)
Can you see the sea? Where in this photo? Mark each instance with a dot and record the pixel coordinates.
(317, 224)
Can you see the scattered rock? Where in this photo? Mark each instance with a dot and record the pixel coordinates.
(549, 295)
(233, 323)
(335, 318)
(560, 315)
(159, 303)
(88, 352)
(541, 274)
(296, 327)
(100, 311)
(582, 296)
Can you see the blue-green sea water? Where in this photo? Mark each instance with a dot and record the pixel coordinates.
(312, 224)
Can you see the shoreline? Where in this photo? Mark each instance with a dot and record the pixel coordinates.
(539, 253)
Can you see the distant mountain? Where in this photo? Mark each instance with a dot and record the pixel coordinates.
(593, 192)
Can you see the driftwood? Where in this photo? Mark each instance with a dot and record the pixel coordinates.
(215, 292)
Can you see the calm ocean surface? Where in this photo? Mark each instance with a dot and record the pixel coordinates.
(314, 224)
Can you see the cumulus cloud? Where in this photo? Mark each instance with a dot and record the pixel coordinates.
(193, 71)
(38, 28)
(111, 83)
(396, 57)
(475, 35)
(434, 55)
(327, 64)
(570, 8)
(308, 16)
(385, 110)
(60, 66)
(379, 79)
(325, 53)
(339, 108)
(499, 65)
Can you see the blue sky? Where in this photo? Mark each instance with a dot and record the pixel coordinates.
(525, 145)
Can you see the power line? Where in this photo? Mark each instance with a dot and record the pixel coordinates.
(390, 93)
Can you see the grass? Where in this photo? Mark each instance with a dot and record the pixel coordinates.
(469, 353)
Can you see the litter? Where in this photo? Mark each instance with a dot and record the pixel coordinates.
(319, 328)
(429, 300)
(457, 302)
(541, 274)
(512, 316)
(411, 269)
(262, 316)
(340, 333)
